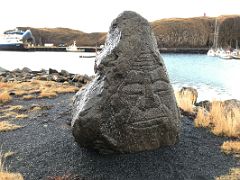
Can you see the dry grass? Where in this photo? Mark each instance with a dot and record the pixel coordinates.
(28, 97)
(29, 90)
(6, 126)
(47, 94)
(8, 114)
(4, 174)
(184, 101)
(231, 147)
(10, 176)
(202, 119)
(21, 116)
(5, 97)
(66, 89)
(14, 108)
(36, 108)
(233, 174)
(12, 112)
(219, 121)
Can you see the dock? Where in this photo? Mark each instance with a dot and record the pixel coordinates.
(184, 50)
(63, 49)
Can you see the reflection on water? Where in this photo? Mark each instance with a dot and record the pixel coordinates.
(213, 77)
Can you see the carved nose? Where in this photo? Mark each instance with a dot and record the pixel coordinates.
(149, 100)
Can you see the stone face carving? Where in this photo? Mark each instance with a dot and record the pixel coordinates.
(130, 105)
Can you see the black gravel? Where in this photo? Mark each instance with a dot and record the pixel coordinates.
(45, 148)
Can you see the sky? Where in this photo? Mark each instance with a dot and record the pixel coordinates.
(97, 15)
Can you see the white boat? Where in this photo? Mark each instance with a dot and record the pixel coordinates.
(74, 48)
(225, 54)
(211, 52)
(16, 40)
(236, 54)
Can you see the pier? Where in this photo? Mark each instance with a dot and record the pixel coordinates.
(184, 50)
(63, 49)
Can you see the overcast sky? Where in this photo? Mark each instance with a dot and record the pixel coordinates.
(96, 15)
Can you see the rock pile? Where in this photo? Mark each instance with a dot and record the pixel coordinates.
(130, 105)
(26, 74)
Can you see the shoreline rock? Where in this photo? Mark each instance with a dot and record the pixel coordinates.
(26, 74)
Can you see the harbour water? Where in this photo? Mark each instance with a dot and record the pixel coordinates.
(214, 78)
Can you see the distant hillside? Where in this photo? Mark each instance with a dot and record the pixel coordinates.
(65, 36)
(170, 33)
(196, 32)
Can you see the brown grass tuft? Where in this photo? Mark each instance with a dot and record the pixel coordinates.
(8, 115)
(30, 90)
(6, 126)
(231, 147)
(184, 101)
(36, 108)
(3, 85)
(66, 89)
(202, 119)
(21, 116)
(219, 121)
(10, 176)
(14, 108)
(28, 97)
(5, 97)
(47, 94)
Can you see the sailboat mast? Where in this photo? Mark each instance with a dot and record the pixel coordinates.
(216, 34)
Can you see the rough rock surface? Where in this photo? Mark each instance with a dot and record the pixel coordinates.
(27, 74)
(130, 105)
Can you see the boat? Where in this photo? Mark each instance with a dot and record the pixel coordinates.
(211, 52)
(74, 48)
(16, 40)
(236, 54)
(225, 54)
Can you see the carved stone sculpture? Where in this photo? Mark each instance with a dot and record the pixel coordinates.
(130, 105)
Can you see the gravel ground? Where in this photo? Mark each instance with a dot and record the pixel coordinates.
(45, 148)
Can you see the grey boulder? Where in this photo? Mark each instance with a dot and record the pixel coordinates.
(130, 105)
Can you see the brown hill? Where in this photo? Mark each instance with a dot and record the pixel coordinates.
(65, 36)
(195, 32)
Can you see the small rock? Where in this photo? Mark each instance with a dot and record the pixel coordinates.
(52, 71)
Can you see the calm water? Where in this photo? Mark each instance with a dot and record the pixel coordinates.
(214, 78)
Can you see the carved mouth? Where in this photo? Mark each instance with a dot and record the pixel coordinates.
(149, 123)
